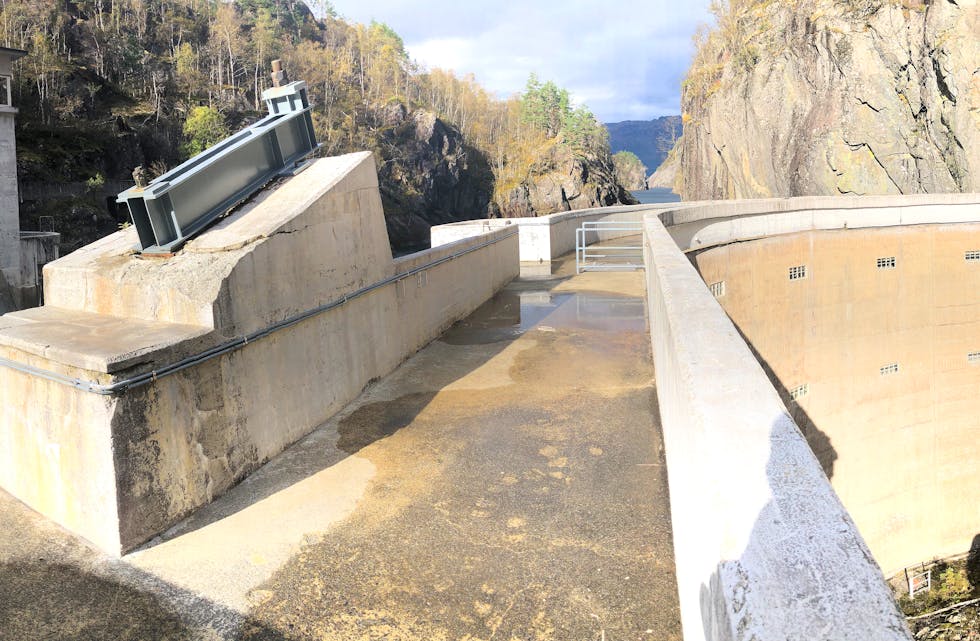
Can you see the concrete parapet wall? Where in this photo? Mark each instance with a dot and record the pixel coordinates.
(121, 468)
(544, 238)
(764, 549)
(701, 225)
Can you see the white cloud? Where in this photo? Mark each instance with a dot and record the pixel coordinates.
(623, 61)
(445, 53)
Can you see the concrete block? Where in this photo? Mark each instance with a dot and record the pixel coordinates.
(165, 448)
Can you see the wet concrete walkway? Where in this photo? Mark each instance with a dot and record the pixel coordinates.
(506, 482)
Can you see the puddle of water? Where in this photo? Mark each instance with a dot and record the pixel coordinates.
(510, 314)
(375, 421)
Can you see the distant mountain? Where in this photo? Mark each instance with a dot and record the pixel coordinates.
(651, 140)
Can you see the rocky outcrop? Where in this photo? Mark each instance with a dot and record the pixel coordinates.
(826, 97)
(630, 171)
(650, 140)
(428, 176)
(666, 173)
(563, 180)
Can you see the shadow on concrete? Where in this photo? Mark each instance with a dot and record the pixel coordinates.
(973, 563)
(375, 421)
(492, 326)
(808, 571)
(819, 442)
(56, 601)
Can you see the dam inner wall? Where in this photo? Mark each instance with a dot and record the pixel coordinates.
(763, 547)
(876, 351)
(245, 341)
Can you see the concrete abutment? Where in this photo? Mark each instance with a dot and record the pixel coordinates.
(117, 450)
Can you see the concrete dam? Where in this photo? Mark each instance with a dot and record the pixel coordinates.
(282, 432)
(871, 337)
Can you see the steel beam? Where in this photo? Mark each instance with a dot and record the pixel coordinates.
(182, 202)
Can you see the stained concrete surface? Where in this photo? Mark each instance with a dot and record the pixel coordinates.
(506, 482)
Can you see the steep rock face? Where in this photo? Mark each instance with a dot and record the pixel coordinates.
(825, 97)
(666, 173)
(631, 173)
(563, 180)
(428, 176)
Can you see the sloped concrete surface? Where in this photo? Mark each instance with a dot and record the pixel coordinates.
(506, 482)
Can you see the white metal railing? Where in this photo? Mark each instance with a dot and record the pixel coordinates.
(919, 578)
(605, 257)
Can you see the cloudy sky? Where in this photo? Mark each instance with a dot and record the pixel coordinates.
(624, 59)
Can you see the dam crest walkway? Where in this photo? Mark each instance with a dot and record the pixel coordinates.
(506, 482)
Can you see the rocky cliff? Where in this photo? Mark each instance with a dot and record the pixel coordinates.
(631, 173)
(834, 97)
(666, 174)
(562, 179)
(428, 176)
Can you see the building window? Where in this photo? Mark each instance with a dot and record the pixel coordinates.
(797, 272)
(973, 357)
(5, 84)
(718, 289)
(889, 369)
(799, 391)
(887, 262)
(972, 256)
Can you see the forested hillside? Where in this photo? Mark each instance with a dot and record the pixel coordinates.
(109, 84)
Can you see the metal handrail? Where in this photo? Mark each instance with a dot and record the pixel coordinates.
(583, 255)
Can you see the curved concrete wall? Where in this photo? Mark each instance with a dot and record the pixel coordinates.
(763, 547)
(762, 540)
(901, 448)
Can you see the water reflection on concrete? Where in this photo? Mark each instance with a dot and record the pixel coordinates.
(513, 312)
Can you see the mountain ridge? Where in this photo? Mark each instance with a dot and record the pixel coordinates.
(650, 140)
